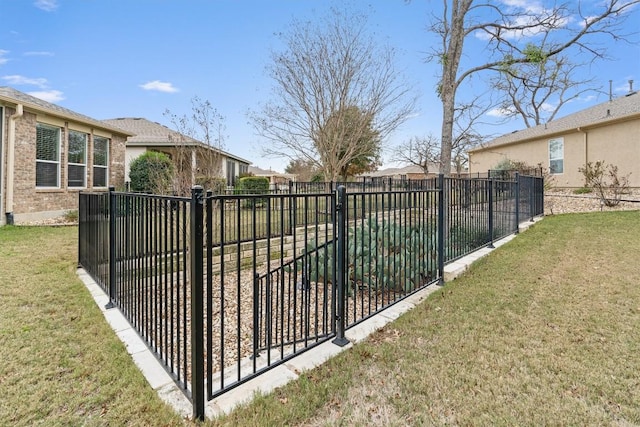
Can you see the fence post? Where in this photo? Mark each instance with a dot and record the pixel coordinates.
(517, 230)
(532, 197)
(112, 247)
(197, 303)
(541, 194)
(441, 242)
(490, 186)
(341, 209)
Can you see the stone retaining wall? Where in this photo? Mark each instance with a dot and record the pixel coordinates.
(560, 201)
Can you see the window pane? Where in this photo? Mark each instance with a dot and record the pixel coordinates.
(46, 174)
(77, 147)
(47, 142)
(100, 151)
(556, 149)
(556, 166)
(76, 176)
(99, 177)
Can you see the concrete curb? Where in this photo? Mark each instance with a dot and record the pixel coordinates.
(160, 380)
(157, 377)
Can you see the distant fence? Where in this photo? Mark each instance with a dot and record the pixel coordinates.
(225, 287)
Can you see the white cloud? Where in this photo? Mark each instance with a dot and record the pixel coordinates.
(3, 58)
(22, 80)
(531, 11)
(46, 5)
(35, 53)
(160, 86)
(499, 112)
(48, 95)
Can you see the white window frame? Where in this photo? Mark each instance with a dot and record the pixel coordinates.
(83, 165)
(56, 162)
(105, 167)
(555, 159)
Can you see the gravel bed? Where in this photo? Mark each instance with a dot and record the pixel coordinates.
(561, 201)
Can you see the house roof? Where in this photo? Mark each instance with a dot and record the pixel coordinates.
(147, 133)
(268, 172)
(13, 96)
(410, 169)
(619, 109)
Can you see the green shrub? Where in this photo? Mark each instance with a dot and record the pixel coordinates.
(151, 172)
(382, 255)
(252, 185)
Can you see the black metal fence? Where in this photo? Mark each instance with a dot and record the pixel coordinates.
(225, 287)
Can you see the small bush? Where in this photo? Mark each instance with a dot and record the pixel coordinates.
(71, 216)
(582, 190)
(253, 185)
(604, 179)
(501, 169)
(151, 172)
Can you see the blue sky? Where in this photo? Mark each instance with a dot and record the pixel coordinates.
(138, 58)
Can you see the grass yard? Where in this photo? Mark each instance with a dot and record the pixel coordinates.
(544, 331)
(60, 362)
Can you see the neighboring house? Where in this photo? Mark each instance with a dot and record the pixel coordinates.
(405, 172)
(152, 136)
(609, 132)
(277, 180)
(48, 154)
(410, 172)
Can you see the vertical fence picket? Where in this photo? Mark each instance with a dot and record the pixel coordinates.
(441, 234)
(490, 188)
(112, 248)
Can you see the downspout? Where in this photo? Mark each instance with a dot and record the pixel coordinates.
(586, 144)
(11, 161)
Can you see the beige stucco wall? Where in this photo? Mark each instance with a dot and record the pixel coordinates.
(132, 153)
(33, 204)
(617, 144)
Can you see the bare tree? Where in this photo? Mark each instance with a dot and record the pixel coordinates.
(507, 29)
(535, 92)
(423, 152)
(303, 170)
(198, 147)
(328, 68)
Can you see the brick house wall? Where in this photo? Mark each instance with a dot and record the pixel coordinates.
(31, 203)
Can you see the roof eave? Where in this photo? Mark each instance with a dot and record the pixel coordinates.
(551, 134)
(93, 122)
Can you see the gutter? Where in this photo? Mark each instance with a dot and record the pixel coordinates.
(11, 161)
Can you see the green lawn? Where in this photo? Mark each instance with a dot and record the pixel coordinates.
(60, 362)
(544, 331)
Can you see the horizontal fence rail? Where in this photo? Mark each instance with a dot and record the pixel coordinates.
(225, 287)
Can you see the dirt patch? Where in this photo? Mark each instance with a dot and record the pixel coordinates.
(369, 402)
